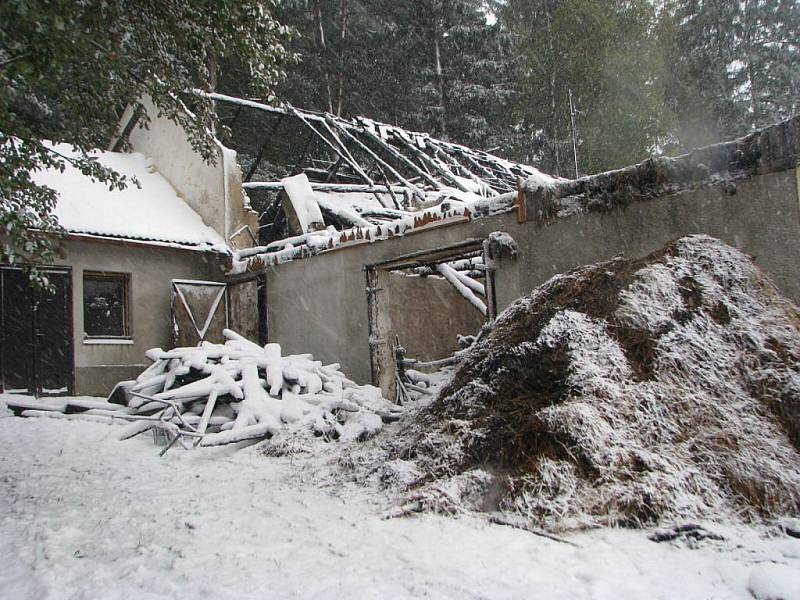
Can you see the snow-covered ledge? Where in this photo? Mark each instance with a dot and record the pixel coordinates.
(108, 341)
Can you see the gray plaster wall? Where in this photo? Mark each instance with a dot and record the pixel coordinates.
(319, 304)
(762, 218)
(428, 314)
(99, 366)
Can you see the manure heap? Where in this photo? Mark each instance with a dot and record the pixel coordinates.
(625, 393)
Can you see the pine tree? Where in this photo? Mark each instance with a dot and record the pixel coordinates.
(701, 84)
(734, 66)
(431, 65)
(603, 54)
(768, 46)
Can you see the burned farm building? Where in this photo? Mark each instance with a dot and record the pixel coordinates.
(354, 240)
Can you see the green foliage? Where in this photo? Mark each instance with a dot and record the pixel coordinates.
(605, 54)
(379, 58)
(68, 69)
(646, 77)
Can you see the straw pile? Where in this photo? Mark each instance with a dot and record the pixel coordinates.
(625, 393)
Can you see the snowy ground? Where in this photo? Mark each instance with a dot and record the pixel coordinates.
(85, 516)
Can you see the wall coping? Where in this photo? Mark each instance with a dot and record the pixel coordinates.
(771, 149)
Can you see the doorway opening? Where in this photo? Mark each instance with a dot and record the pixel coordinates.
(428, 303)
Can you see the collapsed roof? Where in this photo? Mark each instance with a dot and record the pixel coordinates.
(365, 179)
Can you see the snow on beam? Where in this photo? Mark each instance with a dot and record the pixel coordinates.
(489, 169)
(297, 240)
(247, 262)
(453, 277)
(474, 285)
(328, 187)
(417, 192)
(344, 215)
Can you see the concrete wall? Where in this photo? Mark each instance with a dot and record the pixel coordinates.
(99, 366)
(214, 191)
(319, 304)
(428, 314)
(762, 218)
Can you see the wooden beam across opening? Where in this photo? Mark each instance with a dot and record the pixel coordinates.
(327, 187)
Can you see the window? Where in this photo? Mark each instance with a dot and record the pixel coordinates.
(106, 305)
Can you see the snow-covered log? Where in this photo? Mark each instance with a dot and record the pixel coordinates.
(455, 278)
(346, 216)
(251, 432)
(224, 393)
(473, 284)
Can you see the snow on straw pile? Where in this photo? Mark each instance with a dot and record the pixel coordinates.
(216, 394)
(626, 393)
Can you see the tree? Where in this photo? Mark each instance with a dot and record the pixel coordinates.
(734, 66)
(603, 54)
(431, 65)
(701, 89)
(771, 40)
(68, 69)
(460, 69)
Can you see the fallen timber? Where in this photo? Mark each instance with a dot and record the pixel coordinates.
(216, 394)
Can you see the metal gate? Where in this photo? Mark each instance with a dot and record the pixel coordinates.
(199, 311)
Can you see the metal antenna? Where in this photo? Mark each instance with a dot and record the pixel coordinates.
(574, 134)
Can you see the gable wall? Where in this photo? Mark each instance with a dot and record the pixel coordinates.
(214, 191)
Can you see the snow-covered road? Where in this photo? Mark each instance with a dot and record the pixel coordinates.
(85, 516)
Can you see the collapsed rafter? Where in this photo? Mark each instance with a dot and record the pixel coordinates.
(382, 158)
(359, 179)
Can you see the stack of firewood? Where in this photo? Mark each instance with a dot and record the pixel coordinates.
(217, 394)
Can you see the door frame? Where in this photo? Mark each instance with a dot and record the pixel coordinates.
(415, 259)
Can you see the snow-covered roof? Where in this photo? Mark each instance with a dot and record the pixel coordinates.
(374, 228)
(152, 212)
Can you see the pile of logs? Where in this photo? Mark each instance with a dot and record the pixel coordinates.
(216, 394)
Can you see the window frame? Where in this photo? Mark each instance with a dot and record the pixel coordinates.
(127, 323)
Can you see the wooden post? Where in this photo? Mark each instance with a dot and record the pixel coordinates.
(212, 401)
(519, 201)
(369, 151)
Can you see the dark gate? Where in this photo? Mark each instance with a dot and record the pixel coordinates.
(36, 350)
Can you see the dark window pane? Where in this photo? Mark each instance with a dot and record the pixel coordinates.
(104, 307)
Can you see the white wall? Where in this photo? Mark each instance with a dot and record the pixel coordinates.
(214, 191)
